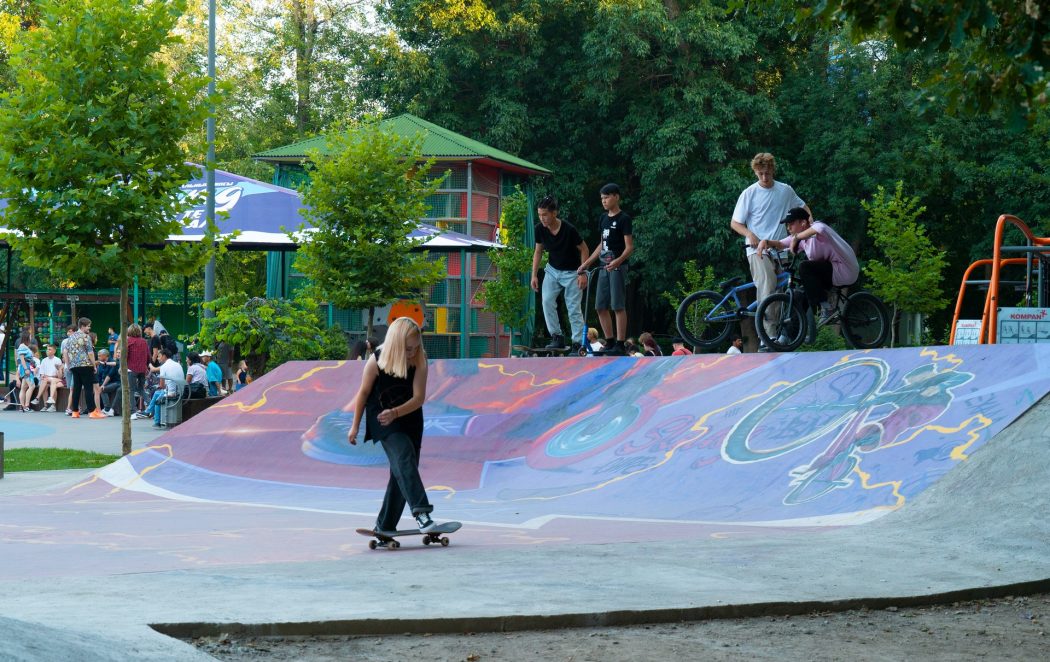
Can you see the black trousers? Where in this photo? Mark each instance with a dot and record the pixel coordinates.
(85, 379)
(816, 280)
(405, 485)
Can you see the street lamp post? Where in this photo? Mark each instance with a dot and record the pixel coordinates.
(209, 270)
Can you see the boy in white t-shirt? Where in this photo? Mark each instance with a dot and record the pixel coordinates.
(51, 372)
(757, 216)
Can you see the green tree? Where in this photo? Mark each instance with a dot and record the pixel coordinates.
(507, 296)
(907, 274)
(268, 332)
(366, 193)
(996, 50)
(90, 145)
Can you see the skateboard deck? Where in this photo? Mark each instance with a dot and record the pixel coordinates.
(434, 536)
(540, 351)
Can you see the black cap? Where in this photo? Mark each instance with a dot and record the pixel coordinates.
(678, 340)
(796, 214)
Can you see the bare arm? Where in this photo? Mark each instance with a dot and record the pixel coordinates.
(537, 255)
(745, 232)
(368, 380)
(581, 278)
(587, 262)
(628, 248)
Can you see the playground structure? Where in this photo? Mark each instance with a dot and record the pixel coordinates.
(477, 178)
(1004, 324)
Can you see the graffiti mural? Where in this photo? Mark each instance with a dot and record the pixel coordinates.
(795, 440)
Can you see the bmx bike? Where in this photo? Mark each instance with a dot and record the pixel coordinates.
(706, 317)
(784, 319)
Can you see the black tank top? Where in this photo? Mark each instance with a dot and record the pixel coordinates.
(388, 392)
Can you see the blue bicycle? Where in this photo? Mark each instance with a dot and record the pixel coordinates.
(705, 318)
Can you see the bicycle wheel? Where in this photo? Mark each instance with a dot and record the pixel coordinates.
(704, 320)
(865, 321)
(780, 322)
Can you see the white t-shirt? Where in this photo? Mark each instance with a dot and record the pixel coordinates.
(197, 374)
(49, 366)
(170, 371)
(733, 349)
(762, 209)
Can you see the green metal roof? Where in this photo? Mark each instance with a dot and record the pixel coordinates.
(438, 142)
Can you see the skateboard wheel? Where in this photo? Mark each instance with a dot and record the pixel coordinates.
(394, 544)
(444, 542)
(371, 544)
(426, 540)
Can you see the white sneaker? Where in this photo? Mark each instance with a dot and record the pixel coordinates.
(426, 525)
(138, 416)
(108, 412)
(34, 401)
(50, 401)
(49, 408)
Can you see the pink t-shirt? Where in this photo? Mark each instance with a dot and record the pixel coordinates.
(827, 246)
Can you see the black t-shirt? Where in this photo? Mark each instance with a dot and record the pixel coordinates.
(614, 228)
(562, 248)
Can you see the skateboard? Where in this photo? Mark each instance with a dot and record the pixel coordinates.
(541, 351)
(433, 536)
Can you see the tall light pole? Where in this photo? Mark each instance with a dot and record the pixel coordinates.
(209, 270)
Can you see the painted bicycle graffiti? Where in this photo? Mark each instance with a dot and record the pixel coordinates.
(848, 402)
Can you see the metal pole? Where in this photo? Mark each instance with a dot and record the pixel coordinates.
(209, 270)
(1, 454)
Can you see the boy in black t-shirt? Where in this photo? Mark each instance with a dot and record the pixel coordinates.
(616, 246)
(566, 252)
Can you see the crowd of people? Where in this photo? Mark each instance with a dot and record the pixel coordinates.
(93, 377)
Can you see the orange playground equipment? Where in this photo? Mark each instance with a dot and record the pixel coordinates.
(1034, 257)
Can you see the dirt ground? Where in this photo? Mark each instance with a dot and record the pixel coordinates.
(1012, 628)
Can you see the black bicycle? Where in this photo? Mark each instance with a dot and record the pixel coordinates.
(784, 320)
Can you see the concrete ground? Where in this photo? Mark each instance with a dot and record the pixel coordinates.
(56, 430)
(981, 528)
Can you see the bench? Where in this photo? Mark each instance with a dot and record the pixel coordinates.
(194, 406)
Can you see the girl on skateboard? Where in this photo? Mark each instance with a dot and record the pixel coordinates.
(393, 388)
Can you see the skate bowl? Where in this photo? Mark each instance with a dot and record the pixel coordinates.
(586, 486)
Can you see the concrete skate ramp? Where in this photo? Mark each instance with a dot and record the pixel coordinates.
(542, 452)
(659, 446)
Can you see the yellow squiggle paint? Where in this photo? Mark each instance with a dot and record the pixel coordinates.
(118, 488)
(532, 377)
(261, 402)
(895, 484)
(934, 356)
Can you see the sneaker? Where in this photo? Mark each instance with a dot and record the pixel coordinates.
(158, 426)
(426, 525)
(50, 401)
(50, 408)
(575, 350)
(616, 349)
(557, 342)
(75, 414)
(783, 340)
(108, 412)
(69, 412)
(140, 415)
(763, 348)
(827, 315)
(34, 401)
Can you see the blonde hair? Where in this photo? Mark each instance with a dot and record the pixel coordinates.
(393, 359)
(763, 159)
(592, 334)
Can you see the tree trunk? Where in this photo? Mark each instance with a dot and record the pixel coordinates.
(369, 326)
(306, 24)
(125, 386)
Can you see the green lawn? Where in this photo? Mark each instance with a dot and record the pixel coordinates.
(46, 459)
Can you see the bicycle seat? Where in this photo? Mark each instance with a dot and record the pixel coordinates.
(732, 282)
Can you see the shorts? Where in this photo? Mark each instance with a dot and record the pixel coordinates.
(612, 289)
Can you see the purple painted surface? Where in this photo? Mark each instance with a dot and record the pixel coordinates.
(550, 450)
